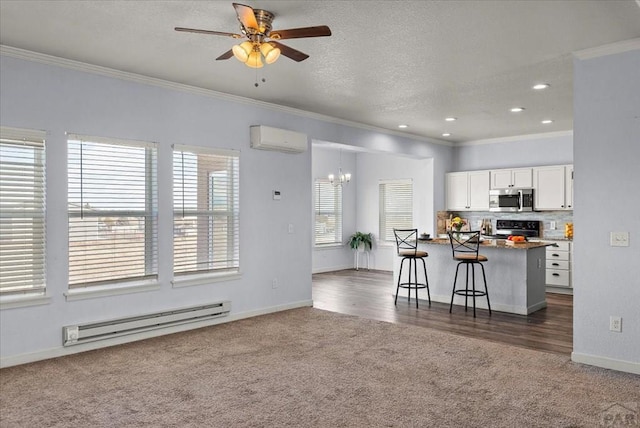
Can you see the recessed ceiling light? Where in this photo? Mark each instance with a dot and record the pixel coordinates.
(547, 121)
(403, 126)
(450, 119)
(517, 109)
(541, 86)
(446, 134)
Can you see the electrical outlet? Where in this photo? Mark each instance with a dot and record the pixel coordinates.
(615, 324)
(552, 225)
(274, 283)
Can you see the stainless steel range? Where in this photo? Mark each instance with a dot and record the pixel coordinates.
(528, 228)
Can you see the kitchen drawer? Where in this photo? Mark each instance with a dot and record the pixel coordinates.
(554, 254)
(561, 246)
(558, 264)
(558, 277)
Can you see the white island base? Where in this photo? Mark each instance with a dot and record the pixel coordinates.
(515, 276)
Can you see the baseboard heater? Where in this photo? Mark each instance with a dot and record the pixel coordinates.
(83, 333)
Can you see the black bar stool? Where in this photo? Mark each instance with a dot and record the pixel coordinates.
(465, 249)
(407, 247)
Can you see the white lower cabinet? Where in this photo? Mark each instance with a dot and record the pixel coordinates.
(558, 265)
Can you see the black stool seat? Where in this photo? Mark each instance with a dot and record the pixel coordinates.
(465, 250)
(407, 247)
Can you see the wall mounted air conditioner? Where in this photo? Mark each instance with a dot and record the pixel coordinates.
(281, 140)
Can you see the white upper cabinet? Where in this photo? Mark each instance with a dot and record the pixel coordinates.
(468, 191)
(568, 186)
(507, 178)
(553, 187)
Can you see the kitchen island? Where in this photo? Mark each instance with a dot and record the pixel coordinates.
(515, 275)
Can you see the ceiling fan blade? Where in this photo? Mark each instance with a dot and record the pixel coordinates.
(215, 33)
(297, 33)
(246, 16)
(228, 54)
(294, 54)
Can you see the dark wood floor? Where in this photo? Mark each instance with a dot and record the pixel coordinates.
(368, 294)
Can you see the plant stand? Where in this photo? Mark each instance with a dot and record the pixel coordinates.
(356, 257)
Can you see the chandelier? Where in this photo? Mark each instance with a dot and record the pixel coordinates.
(342, 178)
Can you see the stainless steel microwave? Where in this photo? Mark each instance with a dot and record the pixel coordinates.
(511, 200)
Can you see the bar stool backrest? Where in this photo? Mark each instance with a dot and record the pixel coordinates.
(466, 244)
(406, 241)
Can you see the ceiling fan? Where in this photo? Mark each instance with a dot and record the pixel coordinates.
(255, 25)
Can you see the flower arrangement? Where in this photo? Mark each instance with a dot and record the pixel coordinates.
(457, 223)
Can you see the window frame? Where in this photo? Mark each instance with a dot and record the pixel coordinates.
(125, 284)
(386, 225)
(231, 185)
(36, 292)
(336, 210)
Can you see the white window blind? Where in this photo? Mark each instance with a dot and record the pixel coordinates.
(112, 200)
(22, 211)
(396, 207)
(328, 209)
(206, 207)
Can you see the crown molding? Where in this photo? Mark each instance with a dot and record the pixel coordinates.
(517, 138)
(138, 78)
(610, 49)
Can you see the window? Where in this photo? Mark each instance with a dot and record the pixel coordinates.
(328, 208)
(112, 201)
(396, 207)
(22, 212)
(206, 220)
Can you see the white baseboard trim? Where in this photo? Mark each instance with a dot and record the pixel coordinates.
(606, 363)
(62, 351)
(332, 268)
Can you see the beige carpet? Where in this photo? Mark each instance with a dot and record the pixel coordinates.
(308, 367)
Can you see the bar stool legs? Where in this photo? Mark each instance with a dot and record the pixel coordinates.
(413, 285)
(466, 292)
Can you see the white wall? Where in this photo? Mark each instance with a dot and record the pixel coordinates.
(534, 150)
(326, 161)
(361, 203)
(58, 100)
(43, 95)
(607, 181)
(375, 167)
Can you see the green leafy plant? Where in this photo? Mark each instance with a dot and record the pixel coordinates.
(366, 239)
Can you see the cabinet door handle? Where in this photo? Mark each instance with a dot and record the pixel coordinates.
(556, 274)
(555, 255)
(555, 264)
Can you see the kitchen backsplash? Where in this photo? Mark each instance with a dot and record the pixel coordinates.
(546, 217)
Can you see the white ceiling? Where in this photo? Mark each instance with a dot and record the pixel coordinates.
(387, 62)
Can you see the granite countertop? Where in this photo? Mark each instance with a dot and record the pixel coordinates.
(557, 238)
(499, 243)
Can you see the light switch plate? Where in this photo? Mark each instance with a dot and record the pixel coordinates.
(619, 239)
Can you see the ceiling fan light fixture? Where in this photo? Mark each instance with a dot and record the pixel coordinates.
(270, 53)
(255, 60)
(242, 51)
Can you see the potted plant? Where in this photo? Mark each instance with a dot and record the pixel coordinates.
(361, 241)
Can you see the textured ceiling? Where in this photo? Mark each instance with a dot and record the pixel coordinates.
(387, 62)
